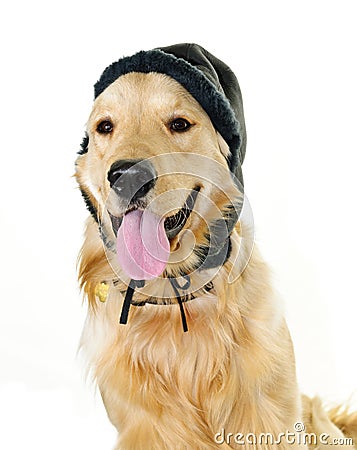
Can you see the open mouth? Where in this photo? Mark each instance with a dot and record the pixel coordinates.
(173, 224)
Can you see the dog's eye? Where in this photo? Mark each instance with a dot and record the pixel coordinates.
(180, 125)
(105, 127)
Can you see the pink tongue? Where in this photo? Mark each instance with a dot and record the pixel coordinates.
(142, 245)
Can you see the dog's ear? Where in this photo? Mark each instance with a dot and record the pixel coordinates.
(223, 146)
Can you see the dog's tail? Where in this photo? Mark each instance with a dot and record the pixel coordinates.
(335, 426)
(345, 420)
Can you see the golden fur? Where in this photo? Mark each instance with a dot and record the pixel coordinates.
(234, 369)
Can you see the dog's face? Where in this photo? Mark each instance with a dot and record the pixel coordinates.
(152, 147)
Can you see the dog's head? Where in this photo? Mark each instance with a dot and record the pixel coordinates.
(160, 166)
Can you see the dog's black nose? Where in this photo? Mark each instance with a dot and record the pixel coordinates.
(132, 179)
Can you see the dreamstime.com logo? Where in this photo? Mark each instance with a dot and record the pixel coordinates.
(296, 437)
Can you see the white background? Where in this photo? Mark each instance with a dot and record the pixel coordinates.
(296, 63)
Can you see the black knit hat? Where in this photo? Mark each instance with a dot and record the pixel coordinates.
(210, 81)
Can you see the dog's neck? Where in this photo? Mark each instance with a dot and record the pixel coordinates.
(181, 295)
(214, 256)
(102, 289)
(211, 256)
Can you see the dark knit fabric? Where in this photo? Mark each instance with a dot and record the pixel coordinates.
(84, 145)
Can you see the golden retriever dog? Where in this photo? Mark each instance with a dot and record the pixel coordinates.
(185, 336)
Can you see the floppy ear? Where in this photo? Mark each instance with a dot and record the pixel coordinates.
(223, 146)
